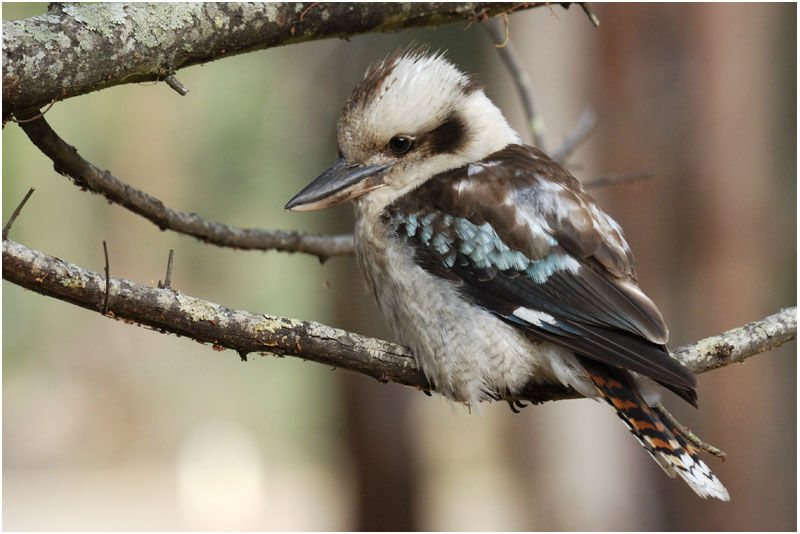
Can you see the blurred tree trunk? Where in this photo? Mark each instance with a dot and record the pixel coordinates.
(717, 174)
(378, 434)
(379, 441)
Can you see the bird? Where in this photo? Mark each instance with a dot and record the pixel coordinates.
(490, 261)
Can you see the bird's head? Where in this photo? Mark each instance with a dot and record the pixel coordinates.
(412, 116)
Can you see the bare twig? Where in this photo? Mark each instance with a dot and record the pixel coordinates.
(688, 434)
(172, 311)
(618, 178)
(104, 308)
(173, 82)
(37, 116)
(168, 277)
(67, 161)
(7, 227)
(507, 28)
(499, 33)
(590, 14)
(586, 123)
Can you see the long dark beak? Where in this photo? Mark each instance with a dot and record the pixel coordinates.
(342, 182)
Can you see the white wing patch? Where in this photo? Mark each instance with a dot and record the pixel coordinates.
(534, 317)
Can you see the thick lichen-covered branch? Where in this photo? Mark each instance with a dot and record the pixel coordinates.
(78, 48)
(168, 310)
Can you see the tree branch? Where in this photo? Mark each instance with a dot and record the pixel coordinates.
(168, 310)
(81, 48)
(15, 214)
(68, 162)
(586, 123)
(615, 178)
(497, 31)
(738, 344)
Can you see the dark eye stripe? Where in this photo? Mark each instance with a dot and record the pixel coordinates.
(448, 136)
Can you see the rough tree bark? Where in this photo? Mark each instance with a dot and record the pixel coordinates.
(78, 48)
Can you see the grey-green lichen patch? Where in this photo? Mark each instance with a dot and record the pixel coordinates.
(85, 45)
(714, 349)
(155, 24)
(152, 25)
(326, 332)
(272, 324)
(100, 18)
(708, 345)
(72, 282)
(40, 31)
(271, 11)
(198, 310)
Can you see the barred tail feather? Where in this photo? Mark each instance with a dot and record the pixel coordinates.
(654, 431)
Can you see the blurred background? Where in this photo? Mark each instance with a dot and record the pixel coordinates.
(108, 426)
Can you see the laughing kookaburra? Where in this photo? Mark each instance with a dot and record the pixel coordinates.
(490, 261)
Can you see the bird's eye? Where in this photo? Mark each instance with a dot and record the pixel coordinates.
(399, 145)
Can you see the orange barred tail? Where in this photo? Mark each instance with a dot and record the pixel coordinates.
(655, 432)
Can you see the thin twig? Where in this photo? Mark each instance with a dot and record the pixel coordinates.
(7, 227)
(108, 280)
(173, 82)
(168, 277)
(586, 123)
(68, 162)
(590, 14)
(739, 343)
(522, 80)
(37, 116)
(208, 322)
(688, 434)
(303, 14)
(618, 178)
(508, 32)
